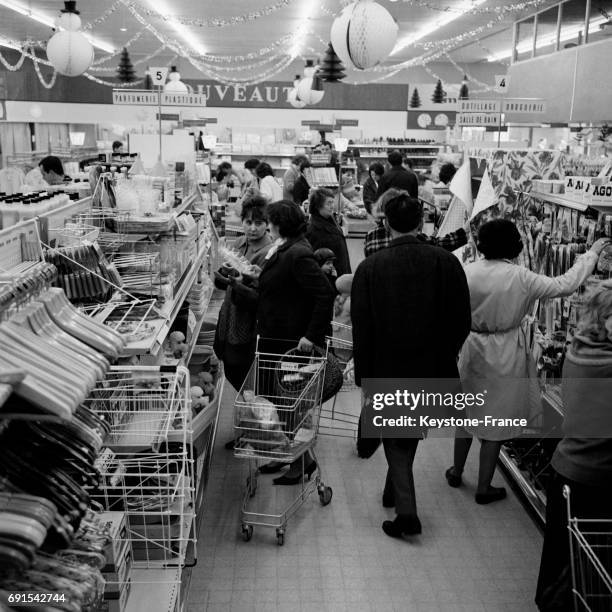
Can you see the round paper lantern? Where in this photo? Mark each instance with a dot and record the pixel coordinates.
(293, 99)
(68, 21)
(363, 34)
(70, 53)
(310, 90)
(174, 84)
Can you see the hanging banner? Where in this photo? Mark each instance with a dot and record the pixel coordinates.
(478, 119)
(525, 105)
(479, 106)
(135, 98)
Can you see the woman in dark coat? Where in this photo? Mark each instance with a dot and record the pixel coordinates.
(324, 231)
(295, 305)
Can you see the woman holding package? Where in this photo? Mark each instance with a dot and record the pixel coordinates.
(324, 231)
(235, 332)
(295, 304)
(502, 296)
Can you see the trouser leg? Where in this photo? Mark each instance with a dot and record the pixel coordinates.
(400, 457)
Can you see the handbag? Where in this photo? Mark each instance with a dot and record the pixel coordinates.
(235, 326)
(366, 447)
(332, 381)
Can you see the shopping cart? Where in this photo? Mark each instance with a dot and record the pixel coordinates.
(342, 418)
(591, 561)
(276, 418)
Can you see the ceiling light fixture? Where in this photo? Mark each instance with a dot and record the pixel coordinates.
(307, 12)
(22, 9)
(544, 41)
(183, 31)
(447, 17)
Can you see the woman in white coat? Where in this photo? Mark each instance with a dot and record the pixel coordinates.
(502, 295)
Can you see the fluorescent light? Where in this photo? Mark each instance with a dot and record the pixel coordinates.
(50, 22)
(307, 12)
(544, 41)
(447, 17)
(183, 31)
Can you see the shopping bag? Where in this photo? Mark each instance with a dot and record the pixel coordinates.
(366, 447)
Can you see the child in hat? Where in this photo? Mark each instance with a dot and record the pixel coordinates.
(325, 258)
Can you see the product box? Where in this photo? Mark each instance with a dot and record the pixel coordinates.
(116, 577)
(118, 604)
(116, 522)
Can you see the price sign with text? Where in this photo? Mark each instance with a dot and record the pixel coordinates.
(158, 76)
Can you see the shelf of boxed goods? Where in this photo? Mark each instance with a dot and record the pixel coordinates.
(559, 199)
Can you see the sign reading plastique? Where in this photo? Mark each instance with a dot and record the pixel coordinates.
(478, 119)
(479, 106)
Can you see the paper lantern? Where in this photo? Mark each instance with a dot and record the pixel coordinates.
(70, 53)
(363, 34)
(293, 99)
(174, 84)
(310, 90)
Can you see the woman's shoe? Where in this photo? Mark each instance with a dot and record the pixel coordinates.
(402, 525)
(272, 467)
(494, 494)
(293, 480)
(452, 478)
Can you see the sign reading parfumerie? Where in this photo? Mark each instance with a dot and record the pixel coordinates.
(151, 98)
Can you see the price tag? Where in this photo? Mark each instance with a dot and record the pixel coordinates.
(158, 76)
(501, 83)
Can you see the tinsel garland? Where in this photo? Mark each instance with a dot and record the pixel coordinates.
(468, 75)
(44, 83)
(13, 67)
(127, 45)
(111, 84)
(211, 22)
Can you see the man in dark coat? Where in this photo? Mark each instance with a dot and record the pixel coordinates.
(398, 176)
(410, 308)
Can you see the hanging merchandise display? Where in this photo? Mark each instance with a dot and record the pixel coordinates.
(364, 34)
(69, 52)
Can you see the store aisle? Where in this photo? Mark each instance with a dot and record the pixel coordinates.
(469, 557)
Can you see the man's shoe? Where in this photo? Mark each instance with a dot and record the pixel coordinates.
(494, 494)
(402, 525)
(452, 478)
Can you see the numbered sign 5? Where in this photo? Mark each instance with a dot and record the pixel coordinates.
(158, 76)
(501, 83)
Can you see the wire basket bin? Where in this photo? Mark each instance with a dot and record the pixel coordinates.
(73, 234)
(342, 417)
(591, 561)
(276, 417)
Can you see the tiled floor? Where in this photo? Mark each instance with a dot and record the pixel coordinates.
(469, 557)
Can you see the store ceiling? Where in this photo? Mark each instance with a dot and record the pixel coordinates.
(245, 38)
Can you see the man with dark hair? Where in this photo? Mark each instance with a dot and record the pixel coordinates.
(380, 237)
(398, 176)
(292, 175)
(410, 309)
(117, 147)
(52, 170)
(447, 171)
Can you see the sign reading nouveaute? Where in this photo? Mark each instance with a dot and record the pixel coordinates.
(151, 98)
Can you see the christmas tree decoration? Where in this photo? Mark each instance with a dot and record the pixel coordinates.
(463, 91)
(310, 90)
(69, 52)
(332, 68)
(363, 34)
(415, 99)
(125, 70)
(174, 84)
(439, 95)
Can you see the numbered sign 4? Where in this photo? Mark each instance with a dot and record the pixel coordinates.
(501, 83)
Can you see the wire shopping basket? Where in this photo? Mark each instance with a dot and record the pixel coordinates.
(276, 417)
(591, 561)
(342, 417)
